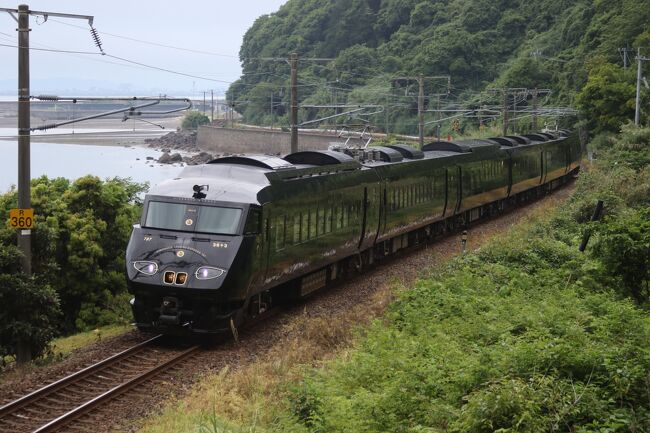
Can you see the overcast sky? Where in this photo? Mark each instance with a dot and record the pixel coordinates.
(216, 26)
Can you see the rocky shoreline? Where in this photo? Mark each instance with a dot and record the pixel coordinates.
(182, 142)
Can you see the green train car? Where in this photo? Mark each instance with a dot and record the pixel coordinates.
(224, 241)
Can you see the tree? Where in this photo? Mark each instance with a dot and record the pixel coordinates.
(29, 313)
(194, 119)
(82, 229)
(624, 248)
(607, 100)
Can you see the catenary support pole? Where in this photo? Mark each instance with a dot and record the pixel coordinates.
(505, 111)
(24, 113)
(211, 105)
(535, 109)
(421, 110)
(294, 102)
(637, 111)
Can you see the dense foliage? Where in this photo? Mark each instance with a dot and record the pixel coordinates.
(30, 310)
(481, 44)
(194, 119)
(526, 335)
(81, 231)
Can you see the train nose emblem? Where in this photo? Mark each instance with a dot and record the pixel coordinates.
(189, 222)
(180, 253)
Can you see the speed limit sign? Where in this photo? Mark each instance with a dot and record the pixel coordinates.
(21, 218)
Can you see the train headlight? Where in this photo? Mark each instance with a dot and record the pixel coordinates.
(145, 267)
(208, 273)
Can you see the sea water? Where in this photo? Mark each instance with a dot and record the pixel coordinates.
(76, 160)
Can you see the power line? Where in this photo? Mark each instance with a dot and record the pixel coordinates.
(157, 44)
(133, 62)
(53, 50)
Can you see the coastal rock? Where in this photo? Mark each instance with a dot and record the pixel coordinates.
(167, 158)
(182, 140)
(200, 158)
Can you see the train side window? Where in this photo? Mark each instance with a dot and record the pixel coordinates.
(314, 223)
(328, 219)
(297, 230)
(304, 226)
(323, 220)
(253, 222)
(279, 233)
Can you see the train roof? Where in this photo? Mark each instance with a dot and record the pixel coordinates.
(242, 178)
(235, 182)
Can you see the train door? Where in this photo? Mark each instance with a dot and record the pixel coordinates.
(544, 155)
(454, 190)
(510, 162)
(458, 181)
(257, 229)
(364, 216)
(383, 209)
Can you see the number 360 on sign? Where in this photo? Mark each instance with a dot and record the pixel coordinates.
(21, 218)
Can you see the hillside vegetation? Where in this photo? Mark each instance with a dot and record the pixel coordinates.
(481, 44)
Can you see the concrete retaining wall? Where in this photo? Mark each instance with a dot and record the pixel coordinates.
(219, 140)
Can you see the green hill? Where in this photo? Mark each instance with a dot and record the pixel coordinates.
(479, 43)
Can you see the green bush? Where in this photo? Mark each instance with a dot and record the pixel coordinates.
(29, 312)
(623, 247)
(194, 119)
(509, 340)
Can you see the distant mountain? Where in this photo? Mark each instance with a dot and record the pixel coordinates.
(479, 43)
(71, 86)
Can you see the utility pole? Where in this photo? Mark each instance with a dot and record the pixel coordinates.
(421, 110)
(294, 102)
(24, 139)
(272, 112)
(386, 129)
(420, 79)
(211, 105)
(232, 110)
(535, 109)
(505, 111)
(204, 102)
(637, 111)
(480, 112)
(625, 54)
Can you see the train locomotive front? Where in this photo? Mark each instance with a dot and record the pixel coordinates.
(191, 260)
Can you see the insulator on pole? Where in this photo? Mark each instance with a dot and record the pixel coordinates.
(98, 42)
(47, 97)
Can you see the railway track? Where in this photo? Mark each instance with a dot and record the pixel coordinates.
(68, 403)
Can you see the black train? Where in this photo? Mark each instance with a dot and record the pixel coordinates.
(223, 240)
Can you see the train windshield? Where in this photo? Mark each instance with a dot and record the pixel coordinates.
(193, 218)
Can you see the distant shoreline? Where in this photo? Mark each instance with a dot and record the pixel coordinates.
(85, 133)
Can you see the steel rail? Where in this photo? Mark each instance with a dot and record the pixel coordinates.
(79, 411)
(18, 404)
